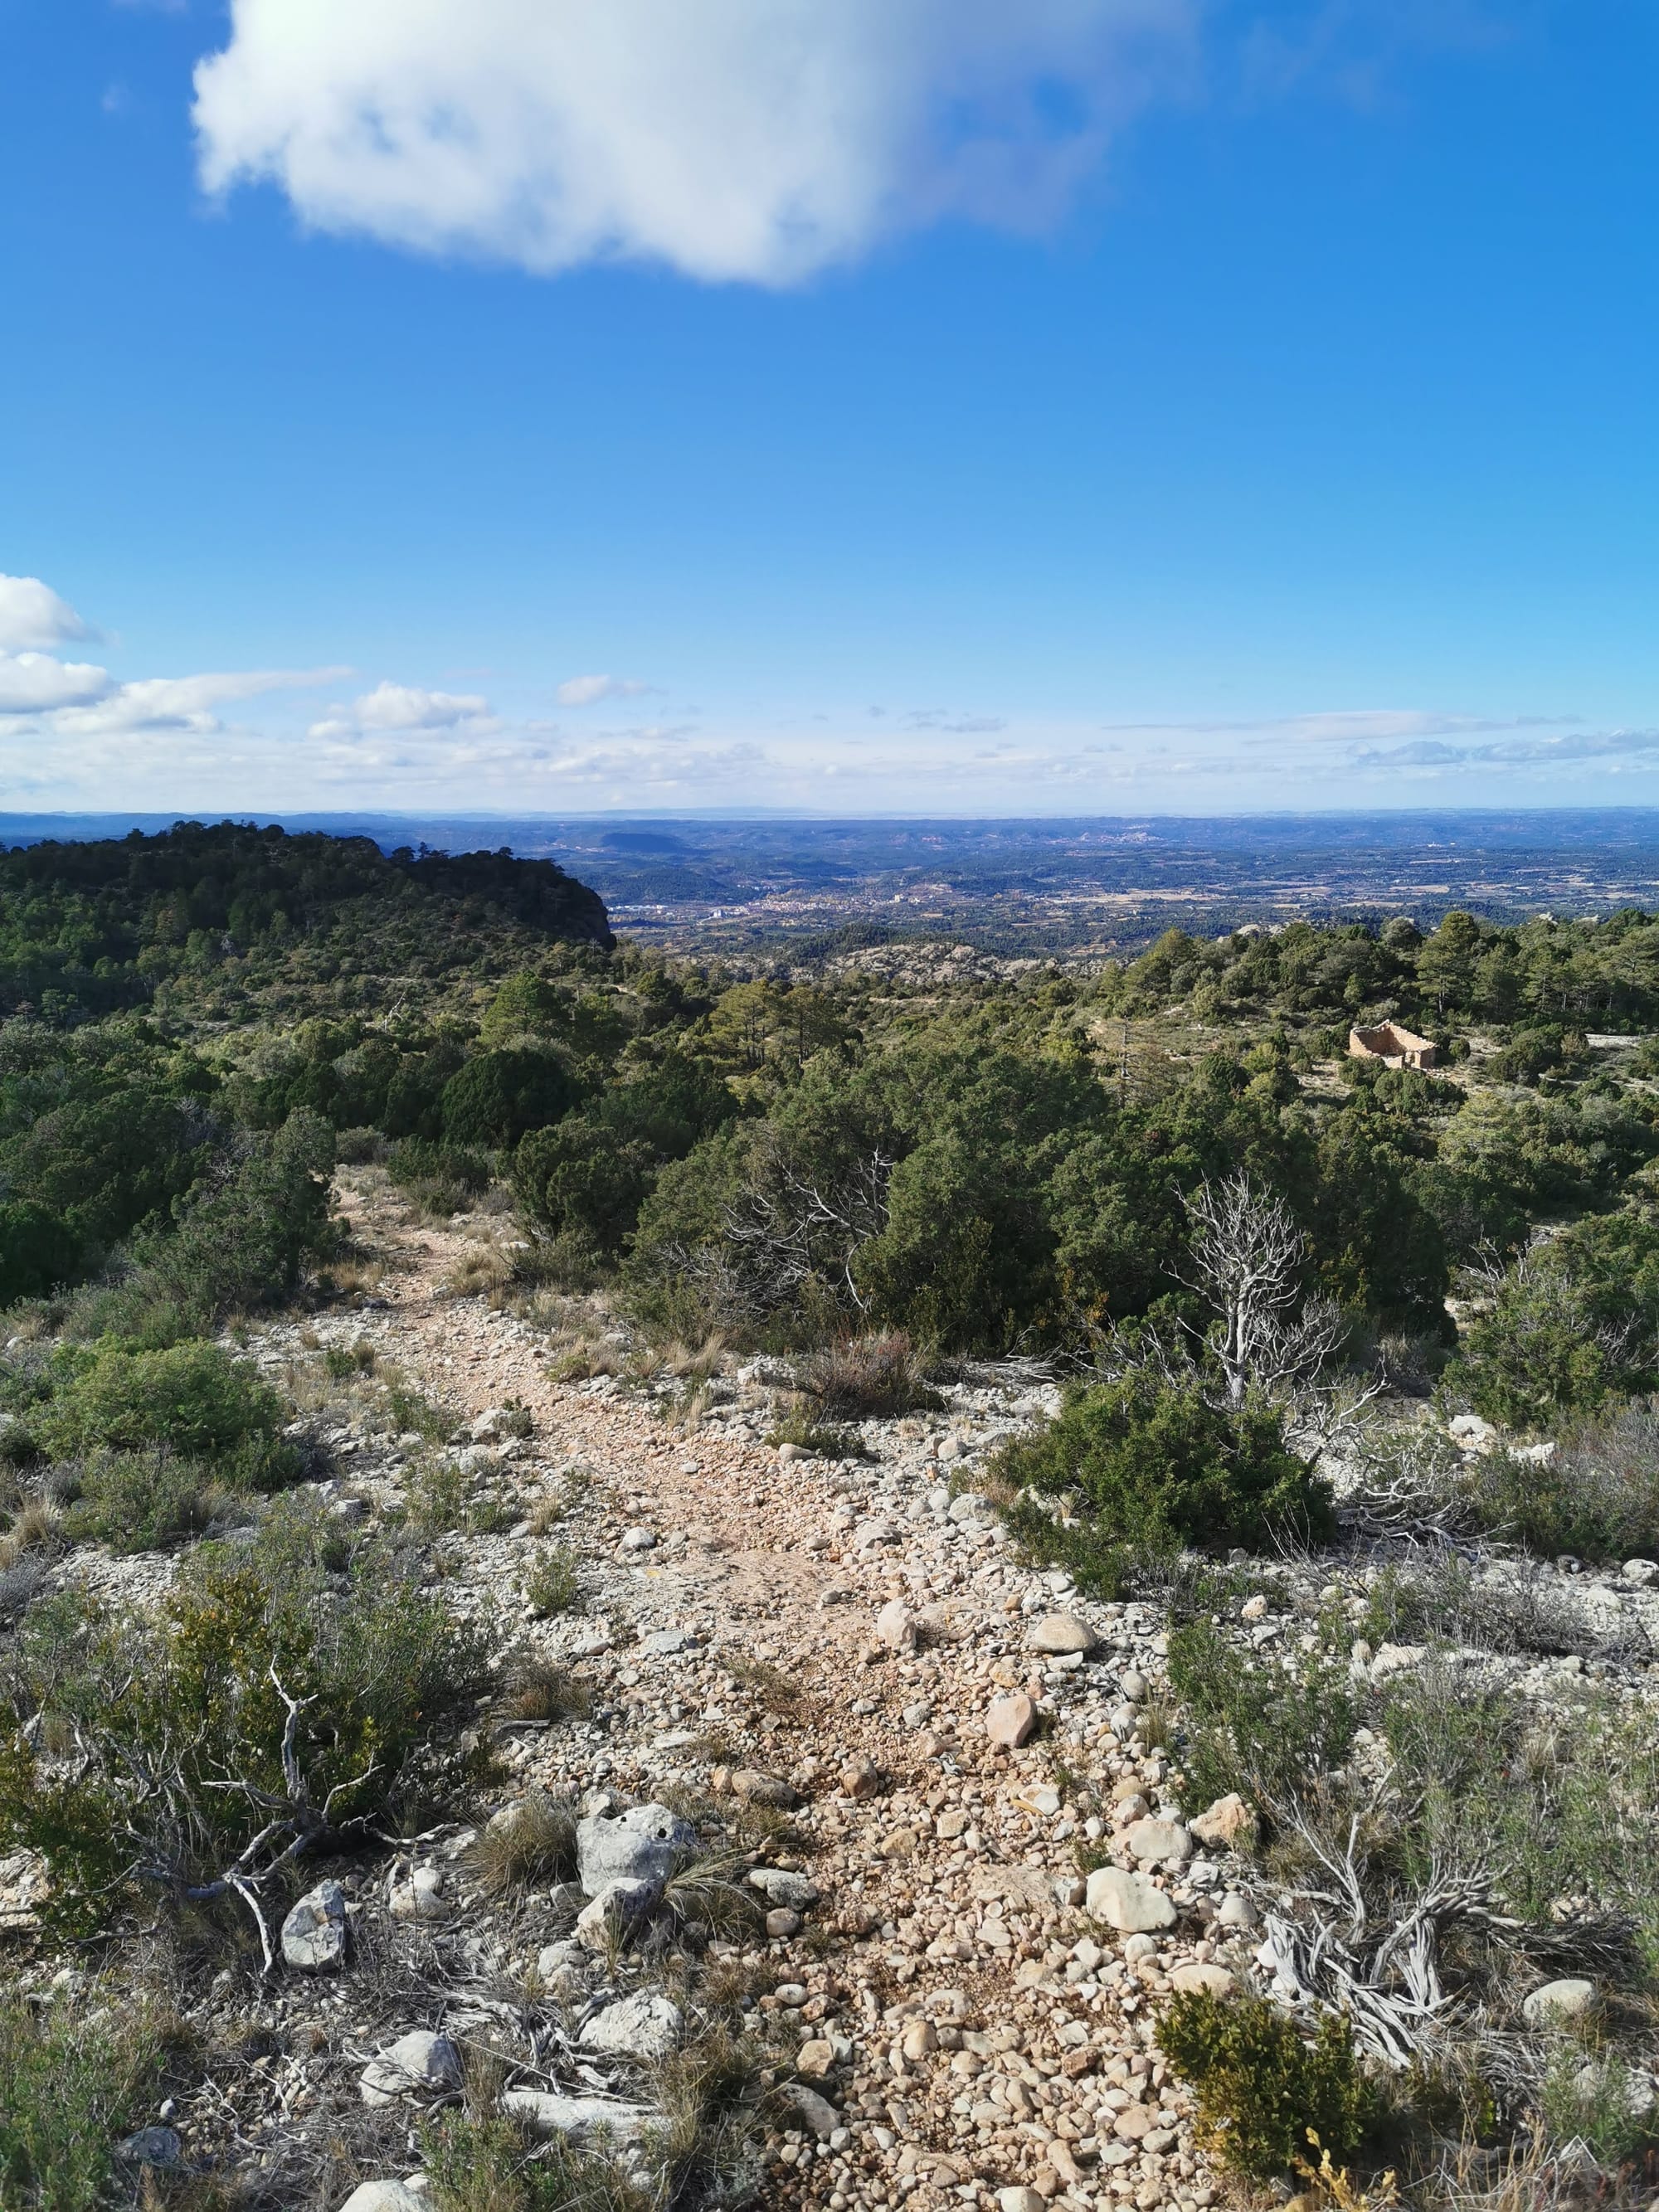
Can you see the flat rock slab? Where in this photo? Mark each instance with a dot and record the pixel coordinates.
(644, 2025)
(386, 2196)
(582, 2119)
(618, 1907)
(1197, 1977)
(413, 2064)
(1228, 1824)
(1009, 1721)
(778, 1886)
(1156, 1843)
(817, 2112)
(1557, 2003)
(1127, 1902)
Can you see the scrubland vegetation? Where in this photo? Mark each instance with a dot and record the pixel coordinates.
(1271, 1281)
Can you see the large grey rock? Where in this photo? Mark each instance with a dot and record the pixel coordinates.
(583, 2119)
(314, 1932)
(619, 1908)
(1127, 1902)
(645, 1843)
(386, 2196)
(1557, 2003)
(644, 2025)
(415, 2064)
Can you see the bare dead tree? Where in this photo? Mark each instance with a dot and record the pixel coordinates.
(167, 1839)
(790, 1228)
(1247, 1259)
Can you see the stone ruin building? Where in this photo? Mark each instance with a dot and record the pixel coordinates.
(1393, 1046)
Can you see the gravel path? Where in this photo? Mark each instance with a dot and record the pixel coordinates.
(837, 1634)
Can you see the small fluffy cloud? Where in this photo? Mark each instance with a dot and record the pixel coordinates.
(406, 710)
(35, 683)
(588, 690)
(32, 615)
(748, 140)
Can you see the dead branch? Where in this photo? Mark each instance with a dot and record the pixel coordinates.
(1382, 1972)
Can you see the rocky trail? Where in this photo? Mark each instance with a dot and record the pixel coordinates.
(909, 1732)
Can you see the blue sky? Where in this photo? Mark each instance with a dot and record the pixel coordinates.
(1089, 405)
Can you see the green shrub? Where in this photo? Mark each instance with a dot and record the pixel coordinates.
(1573, 1325)
(342, 1362)
(552, 1585)
(168, 1707)
(486, 2165)
(37, 1251)
(240, 1244)
(1596, 1496)
(497, 1096)
(73, 2080)
(1260, 2086)
(144, 1501)
(441, 1177)
(190, 1397)
(1154, 1463)
(810, 1435)
(417, 1415)
(582, 1180)
(1267, 1727)
(1566, 1810)
(1599, 2100)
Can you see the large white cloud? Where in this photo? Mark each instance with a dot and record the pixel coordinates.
(730, 139)
(32, 615)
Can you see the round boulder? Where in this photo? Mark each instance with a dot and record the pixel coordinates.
(1060, 1632)
(645, 1843)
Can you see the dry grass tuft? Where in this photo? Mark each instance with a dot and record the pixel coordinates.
(533, 1840)
(710, 1888)
(542, 1690)
(770, 1686)
(37, 1526)
(866, 1378)
(711, 2097)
